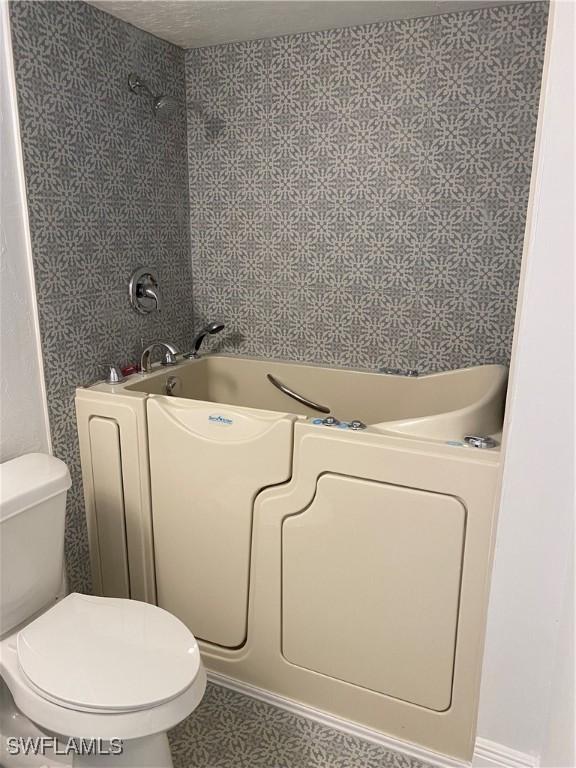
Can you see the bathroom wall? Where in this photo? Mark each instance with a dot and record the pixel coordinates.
(358, 196)
(107, 192)
(527, 701)
(23, 413)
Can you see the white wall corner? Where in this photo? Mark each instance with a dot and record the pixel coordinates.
(488, 754)
(527, 696)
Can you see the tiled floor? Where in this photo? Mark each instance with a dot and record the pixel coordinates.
(230, 730)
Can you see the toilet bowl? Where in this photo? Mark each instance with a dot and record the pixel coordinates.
(97, 680)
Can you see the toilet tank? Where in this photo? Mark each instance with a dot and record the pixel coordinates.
(32, 511)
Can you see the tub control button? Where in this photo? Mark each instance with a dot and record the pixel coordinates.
(330, 421)
(480, 441)
(355, 424)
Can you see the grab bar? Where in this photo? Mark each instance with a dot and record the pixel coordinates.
(295, 395)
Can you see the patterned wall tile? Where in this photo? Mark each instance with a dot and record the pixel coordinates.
(107, 191)
(358, 196)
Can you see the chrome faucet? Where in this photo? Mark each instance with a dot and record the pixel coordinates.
(199, 338)
(169, 357)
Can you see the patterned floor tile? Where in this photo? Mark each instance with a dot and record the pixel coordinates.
(231, 730)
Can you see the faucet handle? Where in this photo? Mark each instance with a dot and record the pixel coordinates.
(144, 291)
(169, 358)
(114, 375)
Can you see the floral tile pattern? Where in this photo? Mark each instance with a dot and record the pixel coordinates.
(107, 192)
(358, 196)
(230, 730)
(353, 197)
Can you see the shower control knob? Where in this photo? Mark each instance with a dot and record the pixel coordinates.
(330, 421)
(357, 425)
(144, 291)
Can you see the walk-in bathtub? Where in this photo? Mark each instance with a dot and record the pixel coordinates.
(325, 533)
(442, 405)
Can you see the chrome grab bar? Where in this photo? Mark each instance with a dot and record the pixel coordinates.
(296, 396)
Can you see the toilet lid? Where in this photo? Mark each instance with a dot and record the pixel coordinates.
(99, 653)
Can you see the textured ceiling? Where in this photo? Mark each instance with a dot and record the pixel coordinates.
(197, 23)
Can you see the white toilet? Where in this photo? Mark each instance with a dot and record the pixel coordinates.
(80, 667)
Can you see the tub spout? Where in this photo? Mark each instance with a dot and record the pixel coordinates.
(169, 357)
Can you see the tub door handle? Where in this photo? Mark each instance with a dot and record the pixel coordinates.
(296, 396)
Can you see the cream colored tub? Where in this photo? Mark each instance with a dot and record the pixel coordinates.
(345, 569)
(441, 405)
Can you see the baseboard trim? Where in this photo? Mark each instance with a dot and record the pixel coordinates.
(339, 724)
(488, 754)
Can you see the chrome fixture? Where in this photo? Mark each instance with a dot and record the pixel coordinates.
(296, 396)
(211, 328)
(480, 441)
(399, 372)
(331, 421)
(169, 357)
(143, 291)
(356, 425)
(114, 375)
(161, 105)
(171, 383)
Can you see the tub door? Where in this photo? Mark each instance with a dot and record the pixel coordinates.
(207, 464)
(370, 587)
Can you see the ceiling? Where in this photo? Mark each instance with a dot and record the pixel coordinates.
(197, 23)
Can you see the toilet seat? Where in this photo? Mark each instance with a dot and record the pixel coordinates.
(101, 723)
(107, 655)
(70, 722)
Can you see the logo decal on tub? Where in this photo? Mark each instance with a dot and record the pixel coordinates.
(217, 419)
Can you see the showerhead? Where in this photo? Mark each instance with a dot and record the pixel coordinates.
(209, 328)
(214, 327)
(162, 106)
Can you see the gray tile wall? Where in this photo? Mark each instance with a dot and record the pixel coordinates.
(107, 191)
(358, 196)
